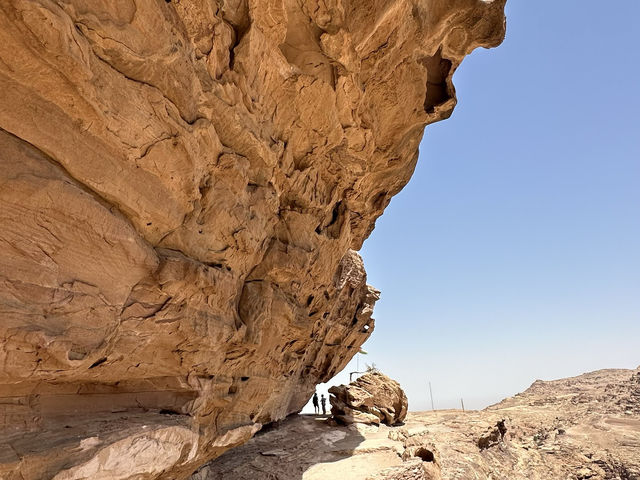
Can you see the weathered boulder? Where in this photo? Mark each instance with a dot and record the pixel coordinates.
(183, 189)
(372, 398)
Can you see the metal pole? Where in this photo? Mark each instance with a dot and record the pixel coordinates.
(431, 394)
(462, 402)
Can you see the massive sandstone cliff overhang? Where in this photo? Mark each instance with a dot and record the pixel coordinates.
(183, 187)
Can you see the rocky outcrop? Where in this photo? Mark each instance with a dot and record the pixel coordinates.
(373, 398)
(183, 187)
(579, 428)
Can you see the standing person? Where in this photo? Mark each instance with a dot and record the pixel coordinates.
(315, 403)
(323, 401)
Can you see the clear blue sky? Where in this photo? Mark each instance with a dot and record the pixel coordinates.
(514, 252)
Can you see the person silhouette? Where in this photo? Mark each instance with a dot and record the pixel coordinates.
(315, 403)
(323, 401)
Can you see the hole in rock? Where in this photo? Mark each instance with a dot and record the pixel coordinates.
(309, 300)
(98, 362)
(334, 214)
(331, 227)
(438, 69)
(233, 390)
(366, 328)
(168, 411)
(239, 31)
(425, 455)
(244, 379)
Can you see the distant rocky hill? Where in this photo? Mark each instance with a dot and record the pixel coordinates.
(585, 427)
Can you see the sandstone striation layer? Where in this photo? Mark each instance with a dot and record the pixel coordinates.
(585, 427)
(373, 398)
(183, 187)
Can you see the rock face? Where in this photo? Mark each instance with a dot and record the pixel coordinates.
(183, 184)
(587, 427)
(373, 398)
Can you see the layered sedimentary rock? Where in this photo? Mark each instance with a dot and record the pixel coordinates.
(183, 185)
(373, 398)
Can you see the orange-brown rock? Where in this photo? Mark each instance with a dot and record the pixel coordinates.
(183, 186)
(373, 398)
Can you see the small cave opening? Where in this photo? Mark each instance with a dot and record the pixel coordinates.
(331, 226)
(169, 411)
(334, 214)
(438, 70)
(425, 454)
(354, 321)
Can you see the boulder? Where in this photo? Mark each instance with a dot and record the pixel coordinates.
(373, 398)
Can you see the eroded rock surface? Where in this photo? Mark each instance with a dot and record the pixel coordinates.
(183, 185)
(373, 398)
(586, 427)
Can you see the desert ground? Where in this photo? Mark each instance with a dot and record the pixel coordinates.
(585, 427)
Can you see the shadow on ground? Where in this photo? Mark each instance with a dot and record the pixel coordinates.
(300, 446)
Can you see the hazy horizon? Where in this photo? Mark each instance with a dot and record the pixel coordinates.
(512, 254)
